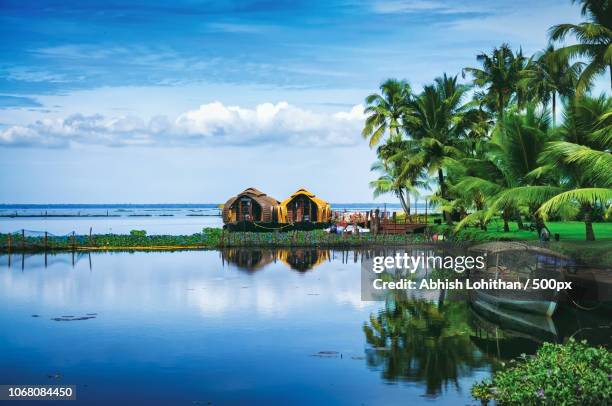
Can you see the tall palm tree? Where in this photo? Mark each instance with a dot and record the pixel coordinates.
(594, 40)
(499, 76)
(393, 176)
(434, 130)
(388, 182)
(386, 111)
(550, 75)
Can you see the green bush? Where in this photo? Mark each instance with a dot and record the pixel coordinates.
(138, 233)
(559, 374)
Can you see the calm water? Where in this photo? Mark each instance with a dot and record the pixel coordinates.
(246, 327)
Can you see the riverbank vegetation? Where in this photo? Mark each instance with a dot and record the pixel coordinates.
(210, 238)
(558, 374)
(497, 147)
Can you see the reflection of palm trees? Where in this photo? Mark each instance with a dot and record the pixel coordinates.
(422, 341)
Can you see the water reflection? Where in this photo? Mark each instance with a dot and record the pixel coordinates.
(439, 343)
(298, 259)
(240, 326)
(424, 342)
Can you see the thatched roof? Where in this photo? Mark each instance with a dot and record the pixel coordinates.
(302, 191)
(257, 195)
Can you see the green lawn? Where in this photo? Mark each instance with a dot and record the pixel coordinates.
(567, 230)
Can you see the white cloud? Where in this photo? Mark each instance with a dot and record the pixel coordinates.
(210, 124)
(431, 6)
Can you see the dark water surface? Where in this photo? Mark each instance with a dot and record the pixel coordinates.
(246, 327)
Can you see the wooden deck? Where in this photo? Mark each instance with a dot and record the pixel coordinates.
(395, 227)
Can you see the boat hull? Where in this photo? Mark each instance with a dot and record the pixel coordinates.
(544, 307)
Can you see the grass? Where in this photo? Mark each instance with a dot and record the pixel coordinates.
(567, 230)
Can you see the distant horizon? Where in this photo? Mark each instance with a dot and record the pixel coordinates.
(93, 205)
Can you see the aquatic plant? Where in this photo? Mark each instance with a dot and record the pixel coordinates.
(558, 374)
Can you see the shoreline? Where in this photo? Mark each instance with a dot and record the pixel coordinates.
(210, 239)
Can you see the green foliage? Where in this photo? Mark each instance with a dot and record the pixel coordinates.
(209, 238)
(568, 374)
(138, 233)
(497, 154)
(594, 40)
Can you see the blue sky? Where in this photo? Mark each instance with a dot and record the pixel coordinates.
(192, 101)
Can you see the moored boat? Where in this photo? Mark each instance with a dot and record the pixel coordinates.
(524, 263)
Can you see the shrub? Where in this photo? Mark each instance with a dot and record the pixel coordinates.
(138, 233)
(559, 374)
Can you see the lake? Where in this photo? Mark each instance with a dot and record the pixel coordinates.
(246, 327)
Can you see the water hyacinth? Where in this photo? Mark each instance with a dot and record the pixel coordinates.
(559, 374)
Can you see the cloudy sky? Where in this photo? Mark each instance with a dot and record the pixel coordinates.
(193, 101)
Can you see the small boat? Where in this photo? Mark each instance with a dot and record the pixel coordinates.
(514, 302)
(523, 263)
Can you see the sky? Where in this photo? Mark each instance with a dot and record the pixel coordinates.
(190, 101)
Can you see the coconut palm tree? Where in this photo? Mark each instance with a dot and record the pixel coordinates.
(509, 174)
(594, 40)
(583, 158)
(499, 76)
(550, 75)
(386, 111)
(388, 182)
(393, 178)
(434, 131)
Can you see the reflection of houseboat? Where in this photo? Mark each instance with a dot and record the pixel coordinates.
(250, 259)
(519, 262)
(303, 259)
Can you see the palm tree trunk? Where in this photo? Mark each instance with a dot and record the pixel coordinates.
(447, 215)
(506, 216)
(554, 108)
(588, 223)
(402, 199)
(519, 219)
(539, 222)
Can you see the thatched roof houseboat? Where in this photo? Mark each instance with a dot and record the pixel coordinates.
(251, 205)
(305, 206)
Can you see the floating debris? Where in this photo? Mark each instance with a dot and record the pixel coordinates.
(72, 318)
(327, 354)
(55, 375)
